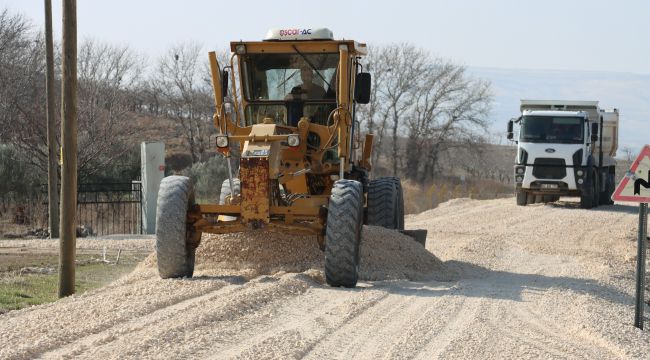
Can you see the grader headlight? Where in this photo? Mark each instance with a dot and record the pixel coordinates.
(293, 140)
(240, 49)
(222, 142)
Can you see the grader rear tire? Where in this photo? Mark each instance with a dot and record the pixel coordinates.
(400, 203)
(175, 256)
(343, 233)
(386, 203)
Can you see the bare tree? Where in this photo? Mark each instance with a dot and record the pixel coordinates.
(107, 73)
(463, 122)
(404, 66)
(429, 101)
(374, 116)
(180, 80)
(22, 89)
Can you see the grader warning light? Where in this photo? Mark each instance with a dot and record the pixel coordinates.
(292, 119)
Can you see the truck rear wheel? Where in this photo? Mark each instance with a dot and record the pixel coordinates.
(175, 256)
(386, 203)
(596, 198)
(589, 194)
(606, 196)
(521, 198)
(343, 233)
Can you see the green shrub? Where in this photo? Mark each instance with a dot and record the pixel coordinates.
(207, 177)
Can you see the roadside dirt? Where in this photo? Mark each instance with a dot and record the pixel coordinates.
(544, 281)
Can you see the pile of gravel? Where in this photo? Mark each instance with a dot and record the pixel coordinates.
(385, 255)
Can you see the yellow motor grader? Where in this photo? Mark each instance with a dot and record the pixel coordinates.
(289, 114)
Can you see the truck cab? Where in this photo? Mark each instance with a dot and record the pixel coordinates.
(560, 152)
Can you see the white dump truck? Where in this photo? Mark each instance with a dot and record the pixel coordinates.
(565, 148)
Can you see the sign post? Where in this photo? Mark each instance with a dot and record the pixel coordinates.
(635, 187)
(640, 265)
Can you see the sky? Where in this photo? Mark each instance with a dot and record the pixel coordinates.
(592, 35)
(577, 36)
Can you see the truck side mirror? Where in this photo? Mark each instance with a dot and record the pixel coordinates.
(510, 125)
(224, 82)
(362, 88)
(594, 131)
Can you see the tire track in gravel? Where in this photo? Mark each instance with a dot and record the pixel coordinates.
(454, 328)
(152, 334)
(132, 327)
(550, 334)
(141, 301)
(533, 337)
(299, 331)
(368, 335)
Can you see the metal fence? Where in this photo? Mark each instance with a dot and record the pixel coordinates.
(102, 209)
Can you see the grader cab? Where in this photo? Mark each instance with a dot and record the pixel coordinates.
(286, 107)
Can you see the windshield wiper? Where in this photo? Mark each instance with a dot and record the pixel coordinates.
(311, 65)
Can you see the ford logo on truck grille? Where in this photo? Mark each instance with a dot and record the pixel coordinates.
(550, 151)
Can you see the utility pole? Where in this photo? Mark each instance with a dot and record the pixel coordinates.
(68, 239)
(52, 155)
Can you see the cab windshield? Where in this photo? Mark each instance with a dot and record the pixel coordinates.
(286, 86)
(550, 129)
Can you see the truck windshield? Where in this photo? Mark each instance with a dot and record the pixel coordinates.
(550, 129)
(285, 77)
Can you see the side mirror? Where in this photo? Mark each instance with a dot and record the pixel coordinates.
(224, 83)
(510, 126)
(594, 131)
(362, 88)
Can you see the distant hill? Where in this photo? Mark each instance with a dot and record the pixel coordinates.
(626, 91)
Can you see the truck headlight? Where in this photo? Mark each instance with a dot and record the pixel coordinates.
(579, 172)
(293, 140)
(520, 170)
(519, 178)
(580, 181)
(222, 141)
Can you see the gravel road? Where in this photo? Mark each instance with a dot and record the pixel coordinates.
(495, 281)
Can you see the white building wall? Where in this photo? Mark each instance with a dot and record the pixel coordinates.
(153, 171)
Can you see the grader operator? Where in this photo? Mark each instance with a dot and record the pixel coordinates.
(303, 168)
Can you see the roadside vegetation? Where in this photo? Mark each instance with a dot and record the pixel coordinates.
(29, 276)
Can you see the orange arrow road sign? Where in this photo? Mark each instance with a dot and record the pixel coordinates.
(635, 186)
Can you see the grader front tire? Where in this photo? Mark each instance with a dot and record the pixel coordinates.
(343, 234)
(175, 256)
